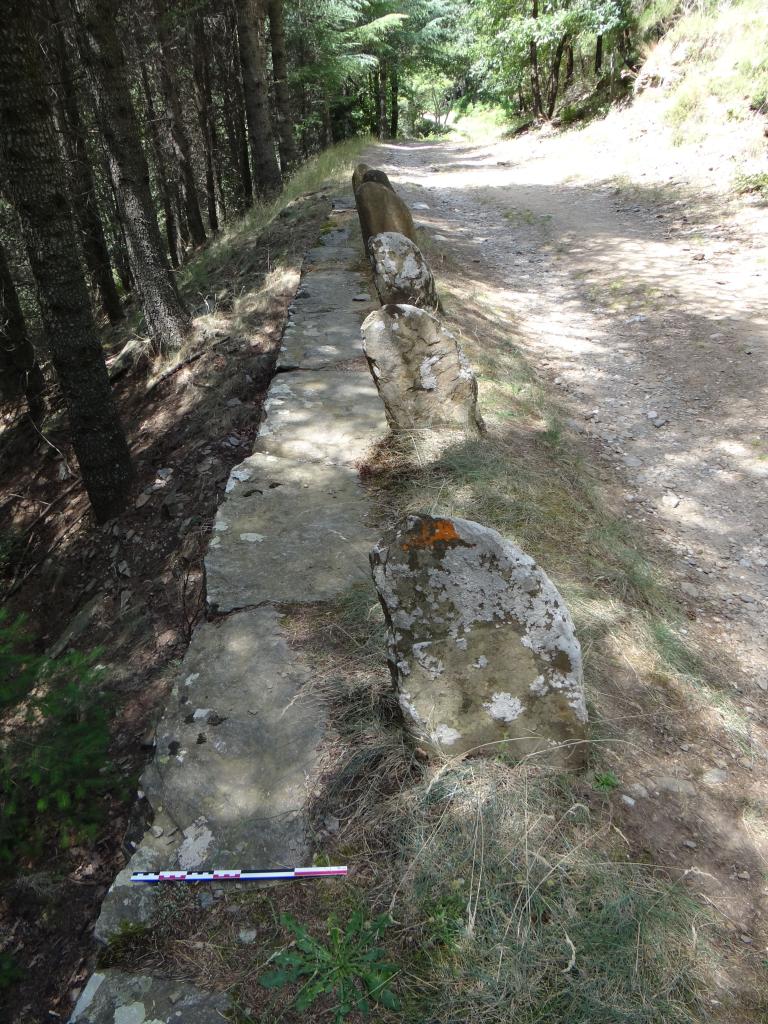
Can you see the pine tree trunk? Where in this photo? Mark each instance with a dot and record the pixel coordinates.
(253, 60)
(83, 191)
(234, 114)
(599, 55)
(381, 102)
(568, 65)
(201, 69)
(34, 178)
(20, 373)
(168, 322)
(178, 139)
(394, 114)
(286, 143)
(554, 78)
(533, 50)
(175, 248)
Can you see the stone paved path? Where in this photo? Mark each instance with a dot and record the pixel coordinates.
(238, 744)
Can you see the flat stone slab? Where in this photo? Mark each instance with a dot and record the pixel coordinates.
(327, 290)
(235, 755)
(114, 997)
(330, 416)
(288, 532)
(317, 342)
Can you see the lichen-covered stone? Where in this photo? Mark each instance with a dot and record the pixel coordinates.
(482, 649)
(400, 272)
(421, 373)
(115, 997)
(381, 209)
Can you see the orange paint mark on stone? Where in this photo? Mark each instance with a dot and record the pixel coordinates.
(433, 532)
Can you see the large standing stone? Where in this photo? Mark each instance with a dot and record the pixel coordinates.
(381, 209)
(422, 375)
(374, 174)
(400, 272)
(358, 174)
(481, 647)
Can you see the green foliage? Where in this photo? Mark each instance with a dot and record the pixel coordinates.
(605, 782)
(54, 769)
(10, 972)
(350, 968)
(753, 183)
(19, 666)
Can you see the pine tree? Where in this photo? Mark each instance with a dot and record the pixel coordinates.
(34, 178)
(168, 322)
(251, 19)
(20, 373)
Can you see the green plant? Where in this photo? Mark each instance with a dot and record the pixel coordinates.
(10, 972)
(350, 967)
(19, 666)
(605, 782)
(754, 183)
(54, 770)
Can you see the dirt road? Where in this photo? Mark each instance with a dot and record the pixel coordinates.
(642, 299)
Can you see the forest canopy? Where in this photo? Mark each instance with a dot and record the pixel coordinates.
(132, 132)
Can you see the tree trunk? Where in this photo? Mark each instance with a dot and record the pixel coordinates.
(34, 177)
(325, 113)
(533, 50)
(178, 139)
(599, 55)
(168, 322)
(234, 116)
(20, 373)
(394, 115)
(289, 156)
(568, 65)
(381, 101)
(554, 78)
(82, 190)
(201, 69)
(253, 60)
(164, 187)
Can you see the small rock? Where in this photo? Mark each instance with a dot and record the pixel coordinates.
(628, 800)
(142, 499)
(639, 790)
(690, 589)
(670, 500)
(331, 823)
(206, 900)
(247, 935)
(419, 206)
(680, 787)
(157, 831)
(747, 939)
(743, 875)
(714, 777)
(361, 297)
(164, 474)
(690, 844)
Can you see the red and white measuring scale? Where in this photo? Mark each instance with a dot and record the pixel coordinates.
(237, 875)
